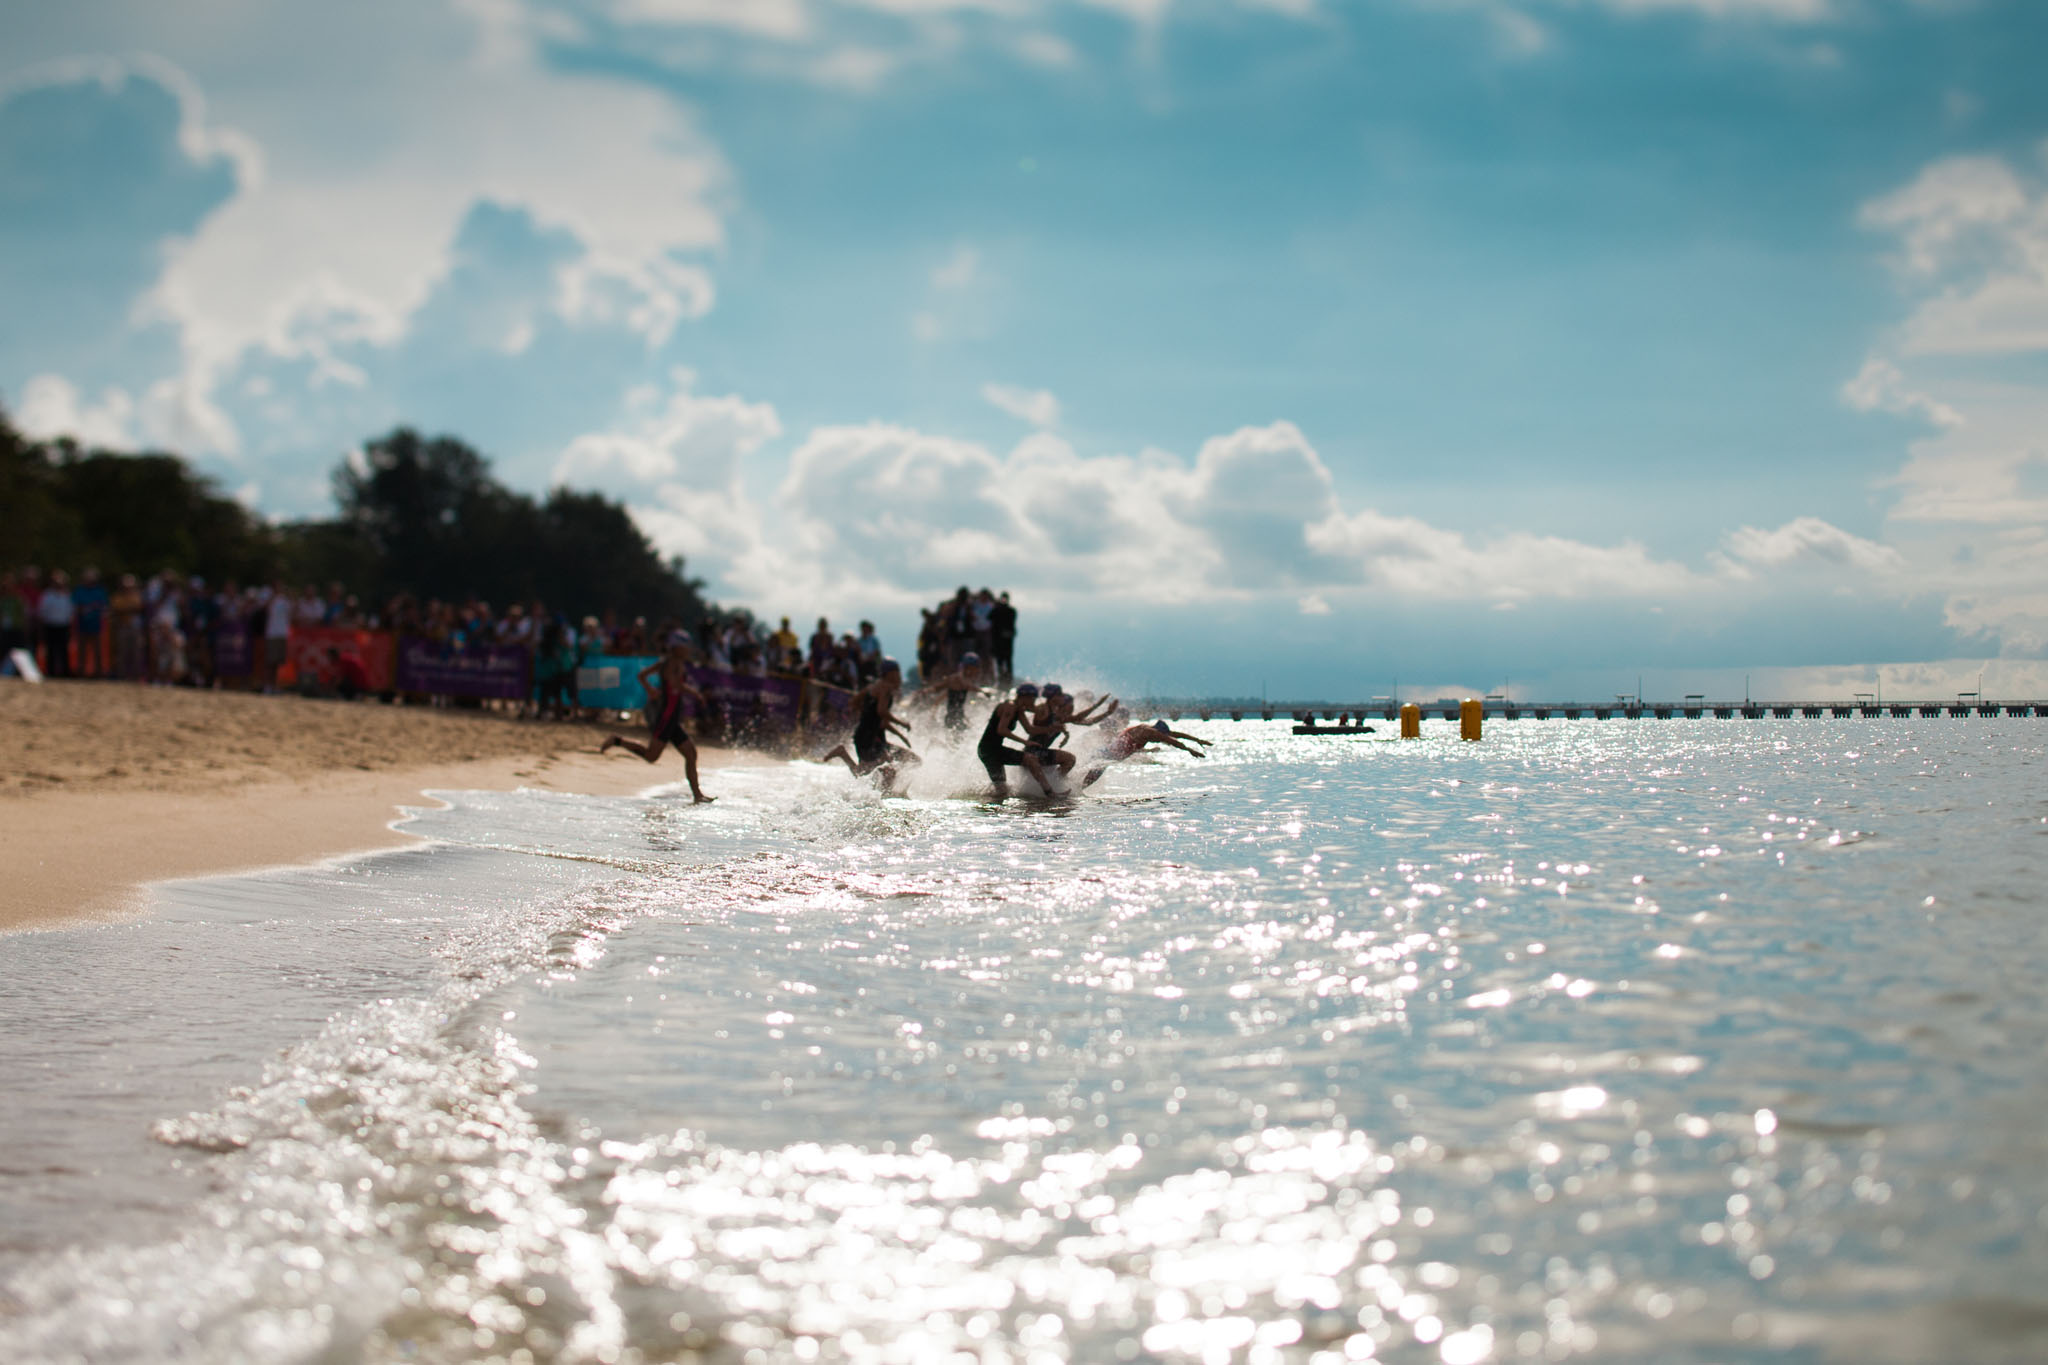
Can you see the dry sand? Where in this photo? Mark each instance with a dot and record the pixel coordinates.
(107, 786)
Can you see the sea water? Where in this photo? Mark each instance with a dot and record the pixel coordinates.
(1693, 1041)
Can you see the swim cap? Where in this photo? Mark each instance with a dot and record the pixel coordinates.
(1026, 690)
(966, 659)
(1160, 726)
(891, 666)
(1052, 689)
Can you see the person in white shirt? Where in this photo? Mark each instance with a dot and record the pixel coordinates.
(277, 633)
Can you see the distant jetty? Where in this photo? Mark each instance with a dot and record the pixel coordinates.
(1341, 718)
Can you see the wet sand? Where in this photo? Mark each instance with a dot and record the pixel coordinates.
(105, 787)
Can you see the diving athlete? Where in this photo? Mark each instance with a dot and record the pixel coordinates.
(1134, 738)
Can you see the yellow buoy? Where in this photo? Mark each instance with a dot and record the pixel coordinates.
(1470, 712)
(1411, 721)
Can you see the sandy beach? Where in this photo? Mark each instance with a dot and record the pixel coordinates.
(109, 786)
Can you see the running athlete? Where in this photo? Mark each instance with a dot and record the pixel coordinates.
(1130, 740)
(667, 726)
(1045, 728)
(958, 685)
(995, 755)
(874, 724)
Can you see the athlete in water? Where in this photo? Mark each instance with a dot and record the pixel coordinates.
(962, 683)
(996, 755)
(875, 722)
(1133, 738)
(666, 726)
(1045, 727)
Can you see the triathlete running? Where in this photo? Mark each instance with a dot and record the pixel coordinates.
(665, 723)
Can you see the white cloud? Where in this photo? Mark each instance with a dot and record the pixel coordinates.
(1803, 540)
(696, 442)
(170, 416)
(51, 407)
(1971, 516)
(1942, 216)
(1880, 386)
(881, 512)
(1037, 406)
(680, 463)
(779, 19)
(350, 191)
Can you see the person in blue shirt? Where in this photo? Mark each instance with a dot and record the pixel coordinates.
(89, 601)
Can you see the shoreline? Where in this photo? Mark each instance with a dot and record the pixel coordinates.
(164, 786)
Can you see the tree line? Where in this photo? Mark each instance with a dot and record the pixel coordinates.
(415, 515)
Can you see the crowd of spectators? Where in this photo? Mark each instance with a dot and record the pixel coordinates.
(982, 623)
(165, 629)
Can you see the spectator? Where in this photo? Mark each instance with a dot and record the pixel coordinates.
(821, 645)
(311, 608)
(1002, 634)
(90, 599)
(984, 606)
(277, 633)
(131, 643)
(167, 659)
(200, 615)
(959, 614)
(930, 644)
(15, 615)
(55, 613)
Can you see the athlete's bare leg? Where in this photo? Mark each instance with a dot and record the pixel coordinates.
(1037, 771)
(690, 771)
(647, 752)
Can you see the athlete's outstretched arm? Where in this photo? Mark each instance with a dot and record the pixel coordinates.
(1089, 717)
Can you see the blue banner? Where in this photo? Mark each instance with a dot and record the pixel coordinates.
(612, 681)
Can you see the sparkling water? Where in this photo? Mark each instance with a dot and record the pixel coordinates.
(1693, 1041)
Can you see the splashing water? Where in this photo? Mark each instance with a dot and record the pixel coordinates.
(1687, 1042)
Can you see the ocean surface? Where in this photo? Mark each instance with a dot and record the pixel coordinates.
(1675, 1041)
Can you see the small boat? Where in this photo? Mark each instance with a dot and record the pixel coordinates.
(1311, 728)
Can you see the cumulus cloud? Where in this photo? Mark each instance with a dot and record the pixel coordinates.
(1970, 238)
(679, 460)
(1036, 406)
(1803, 540)
(1974, 245)
(786, 20)
(1880, 386)
(341, 224)
(51, 407)
(884, 512)
(698, 441)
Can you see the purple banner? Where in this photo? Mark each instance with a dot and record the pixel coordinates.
(232, 657)
(480, 671)
(743, 705)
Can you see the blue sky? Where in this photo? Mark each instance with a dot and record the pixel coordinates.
(1318, 344)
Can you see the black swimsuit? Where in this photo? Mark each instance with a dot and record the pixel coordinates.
(956, 708)
(993, 753)
(870, 737)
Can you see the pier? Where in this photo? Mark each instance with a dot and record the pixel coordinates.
(1338, 714)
